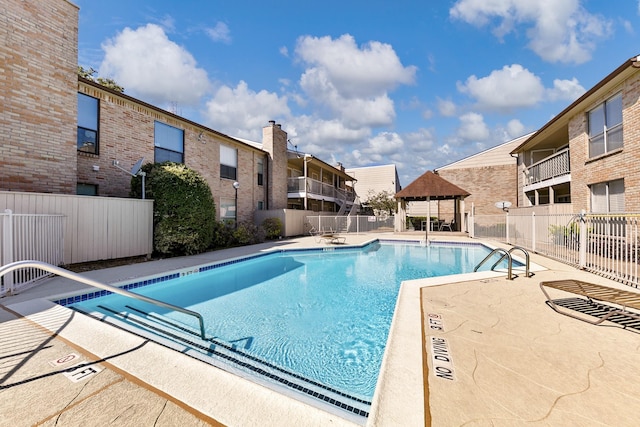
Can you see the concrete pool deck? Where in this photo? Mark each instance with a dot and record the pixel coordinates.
(514, 360)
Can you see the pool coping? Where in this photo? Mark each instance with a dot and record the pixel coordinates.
(399, 396)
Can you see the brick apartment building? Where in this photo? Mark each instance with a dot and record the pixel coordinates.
(489, 177)
(64, 134)
(588, 155)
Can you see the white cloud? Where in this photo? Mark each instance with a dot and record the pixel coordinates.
(472, 128)
(369, 71)
(565, 90)
(242, 112)
(146, 63)
(351, 82)
(446, 107)
(514, 129)
(219, 33)
(558, 31)
(385, 144)
(326, 139)
(511, 87)
(427, 114)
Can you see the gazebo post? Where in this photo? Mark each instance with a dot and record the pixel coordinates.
(426, 229)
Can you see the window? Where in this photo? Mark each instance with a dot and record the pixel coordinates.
(605, 127)
(228, 162)
(260, 205)
(228, 210)
(87, 124)
(86, 189)
(608, 197)
(260, 172)
(169, 143)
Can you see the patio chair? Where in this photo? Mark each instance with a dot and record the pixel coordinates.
(447, 225)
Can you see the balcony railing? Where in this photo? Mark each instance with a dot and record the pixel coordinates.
(314, 187)
(551, 167)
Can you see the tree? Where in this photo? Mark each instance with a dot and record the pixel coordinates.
(383, 201)
(89, 75)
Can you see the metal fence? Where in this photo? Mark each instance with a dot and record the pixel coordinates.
(604, 244)
(29, 237)
(351, 223)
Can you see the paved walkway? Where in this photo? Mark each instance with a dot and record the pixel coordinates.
(37, 388)
(513, 361)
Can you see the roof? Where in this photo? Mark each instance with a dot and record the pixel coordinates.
(433, 186)
(160, 110)
(557, 128)
(495, 156)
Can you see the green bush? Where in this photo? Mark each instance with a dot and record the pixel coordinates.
(222, 235)
(272, 227)
(247, 233)
(184, 213)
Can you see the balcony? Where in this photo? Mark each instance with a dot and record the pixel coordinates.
(553, 170)
(313, 189)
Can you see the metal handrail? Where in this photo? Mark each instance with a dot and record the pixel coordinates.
(78, 278)
(526, 257)
(506, 254)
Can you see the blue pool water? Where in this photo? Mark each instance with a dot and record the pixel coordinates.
(322, 315)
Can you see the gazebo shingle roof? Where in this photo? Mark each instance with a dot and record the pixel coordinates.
(433, 186)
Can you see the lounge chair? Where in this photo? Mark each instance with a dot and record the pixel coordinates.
(336, 239)
(330, 236)
(625, 299)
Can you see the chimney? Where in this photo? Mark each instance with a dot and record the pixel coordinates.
(274, 143)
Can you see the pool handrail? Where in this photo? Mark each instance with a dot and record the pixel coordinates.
(79, 278)
(526, 257)
(506, 254)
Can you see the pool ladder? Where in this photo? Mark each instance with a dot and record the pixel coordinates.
(78, 278)
(507, 254)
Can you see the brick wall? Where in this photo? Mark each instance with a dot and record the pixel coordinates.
(487, 185)
(126, 134)
(275, 143)
(618, 164)
(38, 78)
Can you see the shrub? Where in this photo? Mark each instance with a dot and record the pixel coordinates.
(247, 233)
(222, 235)
(184, 212)
(272, 227)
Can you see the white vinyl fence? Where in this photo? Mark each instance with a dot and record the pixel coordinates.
(606, 244)
(29, 237)
(352, 223)
(69, 229)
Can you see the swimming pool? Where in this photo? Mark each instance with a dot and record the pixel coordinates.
(314, 321)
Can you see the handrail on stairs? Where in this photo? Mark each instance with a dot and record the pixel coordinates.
(507, 254)
(78, 278)
(526, 257)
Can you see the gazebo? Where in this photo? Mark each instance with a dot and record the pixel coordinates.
(430, 186)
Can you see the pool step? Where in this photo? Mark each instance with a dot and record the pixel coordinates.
(229, 356)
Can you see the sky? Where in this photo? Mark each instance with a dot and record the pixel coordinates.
(419, 84)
